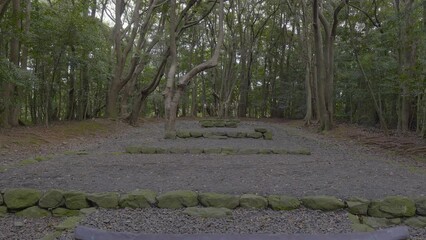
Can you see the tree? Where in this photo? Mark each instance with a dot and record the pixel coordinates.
(173, 94)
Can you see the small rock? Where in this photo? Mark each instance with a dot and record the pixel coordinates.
(417, 222)
(268, 136)
(1, 199)
(18, 224)
(52, 199)
(208, 212)
(380, 222)
(324, 203)
(253, 201)
(3, 211)
(138, 199)
(219, 200)
(255, 135)
(178, 199)
(75, 200)
(183, 134)
(261, 130)
(19, 198)
(170, 135)
(358, 206)
(392, 207)
(33, 212)
(196, 134)
(87, 211)
(104, 200)
(279, 203)
(421, 206)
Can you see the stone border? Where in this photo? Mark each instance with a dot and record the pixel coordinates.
(366, 215)
(259, 133)
(222, 123)
(217, 150)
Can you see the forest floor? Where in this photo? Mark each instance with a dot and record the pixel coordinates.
(350, 161)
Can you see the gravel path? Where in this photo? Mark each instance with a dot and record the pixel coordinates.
(342, 169)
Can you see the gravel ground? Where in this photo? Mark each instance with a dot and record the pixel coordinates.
(18, 228)
(342, 169)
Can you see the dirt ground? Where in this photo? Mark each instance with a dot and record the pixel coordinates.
(89, 156)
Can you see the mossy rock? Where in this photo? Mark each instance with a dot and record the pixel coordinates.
(183, 134)
(380, 222)
(252, 201)
(358, 206)
(69, 223)
(358, 227)
(277, 202)
(138, 199)
(280, 151)
(231, 124)
(20, 198)
(219, 200)
(219, 123)
(148, 150)
(268, 136)
(421, 206)
(178, 199)
(212, 150)
(266, 151)
(248, 151)
(170, 135)
(220, 134)
(232, 134)
(104, 200)
(3, 211)
(196, 134)
(207, 123)
(261, 130)
(255, 135)
(299, 152)
(76, 200)
(416, 222)
(178, 150)
(161, 150)
(392, 207)
(1, 199)
(52, 199)
(241, 135)
(64, 212)
(208, 212)
(87, 211)
(195, 150)
(217, 137)
(324, 203)
(33, 212)
(230, 151)
(133, 150)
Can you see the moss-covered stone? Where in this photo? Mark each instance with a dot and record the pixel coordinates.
(380, 222)
(212, 150)
(148, 150)
(421, 206)
(178, 150)
(69, 223)
(261, 130)
(64, 212)
(232, 134)
(170, 135)
(217, 137)
(241, 135)
(133, 150)
(20, 198)
(255, 135)
(33, 212)
(229, 151)
(268, 136)
(358, 227)
(51, 199)
(230, 124)
(358, 206)
(277, 202)
(183, 134)
(266, 151)
(248, 151)
(104, 200)
(392, 207)
(417, 222)
(3, 211)
(324, 203)
(161, 150)
(219, 123)
(178, 199)
(1, 199)
(86, 211)
(253, 201)
(299, 152)
(208, 212)
(219, 200)
(76, 200)
(195, 150)
(138, 199)
(196, 134)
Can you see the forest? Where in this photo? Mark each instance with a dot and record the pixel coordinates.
(324, 61)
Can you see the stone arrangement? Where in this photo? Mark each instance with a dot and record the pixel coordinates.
(366, 215)
(259, 133)
(227, 123)
(217, 150)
